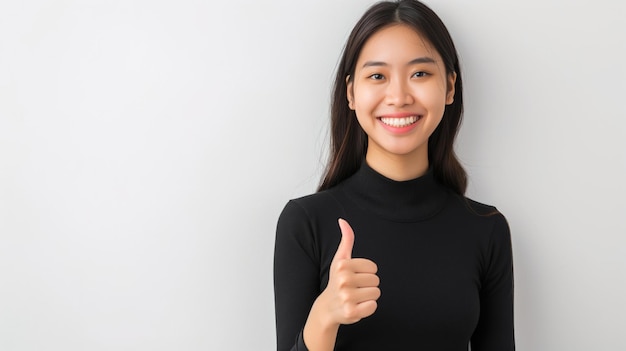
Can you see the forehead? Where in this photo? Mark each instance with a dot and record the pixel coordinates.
(396, 43)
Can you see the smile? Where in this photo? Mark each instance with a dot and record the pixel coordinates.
(399, 122)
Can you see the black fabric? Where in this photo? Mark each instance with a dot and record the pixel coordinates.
(444, 262)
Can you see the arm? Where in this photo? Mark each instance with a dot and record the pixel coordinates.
(494, 331)
(350, 295)
(296, 276)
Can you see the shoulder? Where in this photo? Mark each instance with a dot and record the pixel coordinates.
(486, 216)
(495, 237)
(311, 206)
(310, 223)
(479, 208)
(500, 230)
(305, 213)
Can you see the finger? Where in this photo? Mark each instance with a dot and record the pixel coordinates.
(363, 265)
(367, 308)
(344, 251)
(361, 295)
(359, 309)
(365, 280)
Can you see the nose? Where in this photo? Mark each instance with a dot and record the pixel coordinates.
(398, 93)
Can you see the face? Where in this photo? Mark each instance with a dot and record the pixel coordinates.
(399, 92)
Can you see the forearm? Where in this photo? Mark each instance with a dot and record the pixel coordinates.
(320, 333)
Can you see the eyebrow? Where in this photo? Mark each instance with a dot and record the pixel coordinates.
(424, 59)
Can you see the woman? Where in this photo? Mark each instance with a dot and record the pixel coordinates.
(389, 254)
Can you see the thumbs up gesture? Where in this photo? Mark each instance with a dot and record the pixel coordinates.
(352, 288)
(350, 295)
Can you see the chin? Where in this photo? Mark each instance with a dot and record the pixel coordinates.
(404, 151)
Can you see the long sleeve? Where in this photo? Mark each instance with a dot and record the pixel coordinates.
(494, 331)
(444, 262)
(296, 276)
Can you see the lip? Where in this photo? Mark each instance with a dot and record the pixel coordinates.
(400, 114)
(400, 130)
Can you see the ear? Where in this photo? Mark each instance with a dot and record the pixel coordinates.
(450, 89)
(350, 92)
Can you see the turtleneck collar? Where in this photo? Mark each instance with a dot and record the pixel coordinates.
(401, 201)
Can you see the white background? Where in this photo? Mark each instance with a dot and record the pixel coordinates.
(147, 148)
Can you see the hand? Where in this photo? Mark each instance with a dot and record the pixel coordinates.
(352, 288)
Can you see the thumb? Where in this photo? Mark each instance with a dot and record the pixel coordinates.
(344, 251)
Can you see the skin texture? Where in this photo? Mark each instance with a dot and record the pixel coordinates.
(387, 82)
(395, 85)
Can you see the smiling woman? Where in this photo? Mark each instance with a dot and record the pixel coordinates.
(399, 92)
(389, 253)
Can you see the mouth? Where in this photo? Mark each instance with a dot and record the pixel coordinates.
(400, 122)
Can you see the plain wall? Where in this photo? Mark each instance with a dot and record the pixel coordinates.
(147, 148)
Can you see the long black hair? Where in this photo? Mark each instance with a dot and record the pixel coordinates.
(348, 141)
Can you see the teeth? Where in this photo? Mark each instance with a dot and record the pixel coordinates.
(399, 122)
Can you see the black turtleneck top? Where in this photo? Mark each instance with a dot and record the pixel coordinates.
(444, 262)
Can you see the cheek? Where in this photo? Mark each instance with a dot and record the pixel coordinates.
(433, 98)
(364, 117)
(368, 98)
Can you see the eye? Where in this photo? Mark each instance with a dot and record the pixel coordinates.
(376, 76)
(420, 74)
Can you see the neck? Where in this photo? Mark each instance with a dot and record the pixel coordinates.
(398, 167)
(403, 201)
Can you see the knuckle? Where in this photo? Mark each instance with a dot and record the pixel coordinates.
(376, 280)
(342, 281)
(341, 265)
(350, 313)
(344, 297)
(377, 293)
